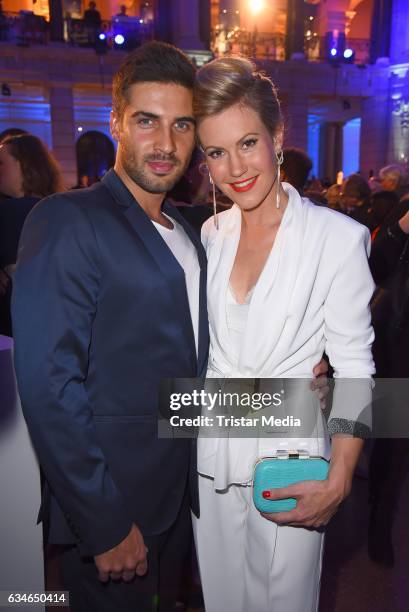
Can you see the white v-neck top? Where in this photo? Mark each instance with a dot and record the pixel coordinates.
(185, 252)
(236, 315)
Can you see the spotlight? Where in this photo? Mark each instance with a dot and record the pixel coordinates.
(119, 39)
(333, 52)
(256, 6)
(349, 55)
(101, 44)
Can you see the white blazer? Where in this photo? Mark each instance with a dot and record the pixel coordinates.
(312, 295)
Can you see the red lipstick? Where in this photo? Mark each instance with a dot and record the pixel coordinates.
(246, 185)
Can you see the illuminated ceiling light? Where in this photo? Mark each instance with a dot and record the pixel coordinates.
(119, 39)
(256, 6)
(348, 53)
(141, 21)
(102, 36)
(333, 52)
(311, 17)
(80, 128)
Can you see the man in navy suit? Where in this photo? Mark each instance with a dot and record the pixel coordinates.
(109, 298)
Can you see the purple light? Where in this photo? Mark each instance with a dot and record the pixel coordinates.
(348, 53)
(333, 52)
(102, 36)
(119, 39)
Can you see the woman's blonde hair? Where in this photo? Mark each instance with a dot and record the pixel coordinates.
(233, 80)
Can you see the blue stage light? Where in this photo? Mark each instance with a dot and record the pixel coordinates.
(333, 52)
(348, 53)
(119, 39)
(102, 36)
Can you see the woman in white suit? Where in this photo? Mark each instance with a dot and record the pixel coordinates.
(286, 281)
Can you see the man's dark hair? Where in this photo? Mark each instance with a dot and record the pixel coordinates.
(153, 62)
(296, 167)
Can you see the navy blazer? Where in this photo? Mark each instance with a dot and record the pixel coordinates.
(100, 316)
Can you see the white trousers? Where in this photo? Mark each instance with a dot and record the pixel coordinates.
(249, 564)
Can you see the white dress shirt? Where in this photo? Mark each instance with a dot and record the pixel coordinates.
(185, 253)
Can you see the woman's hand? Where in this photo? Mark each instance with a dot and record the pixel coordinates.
(317, 502)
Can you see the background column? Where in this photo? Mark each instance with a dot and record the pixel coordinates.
(399, 49)
(63, 130)
(295, 112)
(381, 29)
(376, 116)
(56, 20)
(185, 24)
(331, 147)
(294, 41)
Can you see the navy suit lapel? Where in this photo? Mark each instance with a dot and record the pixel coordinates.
(166, 262)
(203, 316)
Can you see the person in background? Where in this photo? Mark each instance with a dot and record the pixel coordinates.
(28, 172)
(295, 168)
(385, 209)
(375, 210)
(11, 132)
(191, 193)
(122, 11)
(92, 21)
(3, 135)
(333, 197)
(390, 316)
(394, 178)
(92, 15)
(355, 200)
(390, 202)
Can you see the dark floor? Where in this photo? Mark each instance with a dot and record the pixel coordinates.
(350, 580)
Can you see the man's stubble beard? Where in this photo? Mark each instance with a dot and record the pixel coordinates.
(135, 170)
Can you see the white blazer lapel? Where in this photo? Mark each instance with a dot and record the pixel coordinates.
(267, 337)
(221, 257)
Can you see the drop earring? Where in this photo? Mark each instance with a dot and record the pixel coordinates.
(280, 159)
(216, 220)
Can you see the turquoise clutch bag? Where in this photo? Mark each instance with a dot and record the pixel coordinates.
(286, 468)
